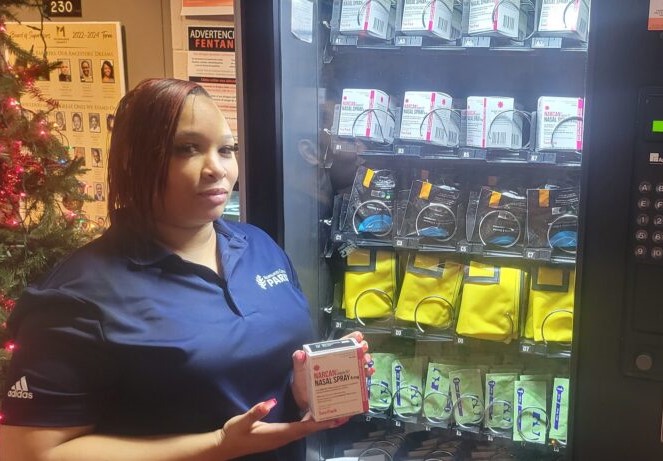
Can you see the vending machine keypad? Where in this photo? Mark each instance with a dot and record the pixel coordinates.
(647, 224)
(648, 241)
(643, 335)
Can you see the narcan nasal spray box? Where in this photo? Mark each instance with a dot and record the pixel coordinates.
(427, 116)
(437, 17)
(559, 123)
(493, 122)
(335, 380)
(373, 18)
(493, 18)
(365, 115)
(565, 17)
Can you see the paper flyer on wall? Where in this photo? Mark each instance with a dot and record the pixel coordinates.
(301, 20)
(207, 7)
(211, 63)
(88, 86)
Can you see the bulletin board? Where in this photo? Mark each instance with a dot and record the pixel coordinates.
(88, 86)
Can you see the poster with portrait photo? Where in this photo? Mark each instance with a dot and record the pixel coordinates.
(77, 122)
(107, 71)
(60, 120)
(85, 67)
(99, 192)
(88, 83)
(93, 122)
(97, 159)
(79, 152)
(64, 70)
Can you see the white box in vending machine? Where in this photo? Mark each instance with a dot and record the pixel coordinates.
(493, 122)
(365, 115)
(372, 18)
(566, 17)
(427, 117)
(492, 17)
(559, 123)
(437, 17)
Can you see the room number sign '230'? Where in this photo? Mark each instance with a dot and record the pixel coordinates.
(63, 8)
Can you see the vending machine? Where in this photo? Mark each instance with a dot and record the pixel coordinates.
(477, 186)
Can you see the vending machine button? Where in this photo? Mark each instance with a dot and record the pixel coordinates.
(641, 235)
(645, 187)
(642, 219)
(659, 188)
(640, 251)
(657, 237)
(658, 205)
(644, 362)
(644, 203)
(657, 253)
(658, 220)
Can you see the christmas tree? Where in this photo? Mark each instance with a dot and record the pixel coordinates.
(40, 196)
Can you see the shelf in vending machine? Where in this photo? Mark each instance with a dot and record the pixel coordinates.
(565, 158)
(419, 334)
(424, 150)
(485, 344)
(351, 239)
(548, 255)
(466, 46)
(341, 322)
(477, 249)
(426, 43)
(424, 244)
(522, 158)
(545, 349)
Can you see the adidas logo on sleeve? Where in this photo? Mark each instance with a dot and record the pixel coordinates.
(20, 390)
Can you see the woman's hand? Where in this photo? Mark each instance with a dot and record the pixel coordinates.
(245, 434)
(299, 370)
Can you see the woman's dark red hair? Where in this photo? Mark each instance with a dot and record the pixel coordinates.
(141, 144)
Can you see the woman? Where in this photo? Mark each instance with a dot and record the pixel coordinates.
(107, 72)
(155, 342)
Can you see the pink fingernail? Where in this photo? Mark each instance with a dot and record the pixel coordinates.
(269, 404)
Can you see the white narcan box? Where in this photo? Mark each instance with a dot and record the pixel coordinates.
(493, 122)
(490, 17)
(566, 17)
(559, 123)
(437, 17)
(427, 116)
(365, 115)
(361, 17)
(335, 379)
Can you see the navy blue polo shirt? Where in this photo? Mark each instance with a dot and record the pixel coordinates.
(138, 341)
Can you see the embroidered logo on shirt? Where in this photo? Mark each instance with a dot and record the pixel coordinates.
(273, 279)
(20, 390)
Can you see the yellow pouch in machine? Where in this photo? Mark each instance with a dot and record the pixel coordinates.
(528, 329)
(490, 307)
(369, 284)
(430, 290)
(550, 308)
